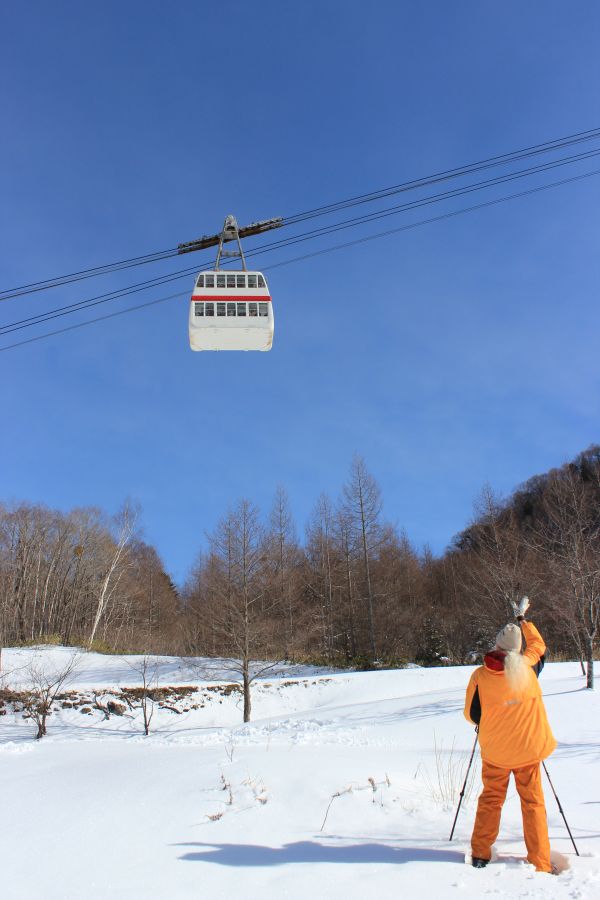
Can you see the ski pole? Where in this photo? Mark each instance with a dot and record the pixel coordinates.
(560, 807)
(462, 793)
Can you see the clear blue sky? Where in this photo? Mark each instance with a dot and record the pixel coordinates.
(455, 354)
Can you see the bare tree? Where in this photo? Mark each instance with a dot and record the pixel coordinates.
(43, 684)
(127, 520)
(399, 576)
(362, 504)
(321, 558)
(569, 539)
(283, 558)
(146, 667)
(497, 565)
(242, 619)
(346, 545)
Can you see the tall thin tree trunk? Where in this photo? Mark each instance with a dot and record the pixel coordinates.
(247, 695)
(368, 580)
(590, 663)
(352, 622)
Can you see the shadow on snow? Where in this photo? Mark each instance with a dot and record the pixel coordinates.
(313, 852)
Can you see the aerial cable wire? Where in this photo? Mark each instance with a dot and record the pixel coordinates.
(345, 245)
(83, 274)
(80, 305)
(119, 312)
(161, 255)
(425, 201)
(471, 168)
(58, 312)
(440, 218)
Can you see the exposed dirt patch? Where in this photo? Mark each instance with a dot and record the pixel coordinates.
(176, 699)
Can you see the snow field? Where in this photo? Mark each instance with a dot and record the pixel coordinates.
(207, 805)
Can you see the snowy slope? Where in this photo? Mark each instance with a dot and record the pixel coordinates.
(207, 806)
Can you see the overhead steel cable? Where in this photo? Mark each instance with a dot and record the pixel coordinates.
(113, 315)
(58, 312)
(425, 201)
(80, 305)
(452, 214)
(471, 168)
(83, 274)
(449, 215)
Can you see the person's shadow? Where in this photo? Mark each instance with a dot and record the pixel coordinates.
(313, 852)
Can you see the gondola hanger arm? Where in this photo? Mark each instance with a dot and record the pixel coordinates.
(214, 239)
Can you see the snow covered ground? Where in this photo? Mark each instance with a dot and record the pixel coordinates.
(208, 807)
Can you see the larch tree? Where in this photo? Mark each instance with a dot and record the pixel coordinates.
(320, 555)
(283, 554)
(346, 547)
(362, 504)
(242, 618)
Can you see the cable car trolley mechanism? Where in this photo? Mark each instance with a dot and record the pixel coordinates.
(231, 310)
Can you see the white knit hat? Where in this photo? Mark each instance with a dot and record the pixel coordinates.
(509, 638)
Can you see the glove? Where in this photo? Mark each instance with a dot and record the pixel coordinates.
(520, 608)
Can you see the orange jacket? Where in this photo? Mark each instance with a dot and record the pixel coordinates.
(513, 730)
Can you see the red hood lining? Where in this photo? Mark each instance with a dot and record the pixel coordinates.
(495, 660)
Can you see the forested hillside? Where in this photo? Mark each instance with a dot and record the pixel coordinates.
(353, 591)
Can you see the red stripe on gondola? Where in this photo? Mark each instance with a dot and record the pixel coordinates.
(226, 297)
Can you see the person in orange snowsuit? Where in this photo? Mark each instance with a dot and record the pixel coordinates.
(505, 701)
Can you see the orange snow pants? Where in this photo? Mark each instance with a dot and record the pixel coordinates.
(535, 825)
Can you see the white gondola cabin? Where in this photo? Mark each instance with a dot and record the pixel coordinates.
(231, 310)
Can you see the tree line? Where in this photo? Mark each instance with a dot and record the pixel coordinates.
(353, 592)
(82, 578)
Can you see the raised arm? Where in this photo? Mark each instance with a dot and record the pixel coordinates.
(536, 649)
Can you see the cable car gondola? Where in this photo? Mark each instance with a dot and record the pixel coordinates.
(231, 310)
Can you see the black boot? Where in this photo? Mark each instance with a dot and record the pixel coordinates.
(478, 863)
